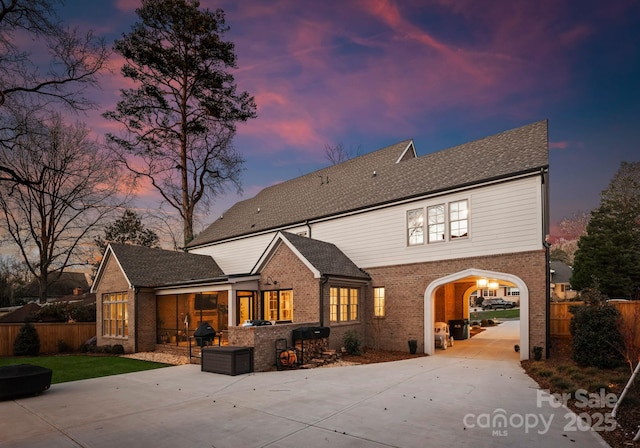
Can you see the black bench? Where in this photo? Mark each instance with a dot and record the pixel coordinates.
(23, 379)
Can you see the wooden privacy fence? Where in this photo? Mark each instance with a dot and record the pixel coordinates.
(50, 333)
(560, 317)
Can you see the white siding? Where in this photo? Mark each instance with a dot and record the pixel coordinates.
(237, 257)
(504, 218)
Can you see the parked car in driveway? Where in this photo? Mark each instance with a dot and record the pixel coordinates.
(495, 304)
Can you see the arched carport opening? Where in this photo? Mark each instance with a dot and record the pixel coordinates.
(473, 275)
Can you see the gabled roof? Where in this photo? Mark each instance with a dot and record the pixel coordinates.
(320, 257)
(381, 177)
(560, 272)
(146, 267)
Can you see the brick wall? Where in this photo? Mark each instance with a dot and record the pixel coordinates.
(291, 273)
(405, 286)
(263, 340)
(114, 281)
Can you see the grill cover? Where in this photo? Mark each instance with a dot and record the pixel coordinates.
(204, 330)
(305, 333)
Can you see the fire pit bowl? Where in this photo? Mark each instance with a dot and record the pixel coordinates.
(23, 379)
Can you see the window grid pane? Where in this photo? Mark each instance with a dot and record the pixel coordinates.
(333, 304)
(344, 304)
(378, 302)
(353, 304)
(435, 216)
(458, 216)
(415, 226)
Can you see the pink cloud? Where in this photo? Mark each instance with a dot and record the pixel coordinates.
(558, 145)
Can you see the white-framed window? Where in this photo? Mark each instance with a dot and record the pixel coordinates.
(115, 316)
(435, 223)
(488, 293)
(415, 226)
(459, 219)
(513, 292)
(378, 302)
(343, 304)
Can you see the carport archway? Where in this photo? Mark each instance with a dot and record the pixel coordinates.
(429, 305)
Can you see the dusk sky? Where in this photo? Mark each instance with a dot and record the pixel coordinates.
(367, 74)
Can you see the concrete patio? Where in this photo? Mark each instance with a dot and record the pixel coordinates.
(449, 399)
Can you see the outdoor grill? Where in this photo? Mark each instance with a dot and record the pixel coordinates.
(204, 334)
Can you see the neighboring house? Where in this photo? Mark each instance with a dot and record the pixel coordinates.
(69, 283)
(385, 244)
(560, 281)
(20, 314)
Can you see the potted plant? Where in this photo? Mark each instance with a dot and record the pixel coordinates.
(413, 346)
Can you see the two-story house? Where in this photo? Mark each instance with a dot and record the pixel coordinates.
(385, 244)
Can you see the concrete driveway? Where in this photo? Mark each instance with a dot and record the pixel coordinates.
(457, 398)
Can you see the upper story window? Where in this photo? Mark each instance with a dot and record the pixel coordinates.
(435, 220)
(459, 219)
(415, 226)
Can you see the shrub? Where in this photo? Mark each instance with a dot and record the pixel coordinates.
(561, 382)
(596, 338)
(537, 352)
(63, 347)
(117, 349)
(351, 343)
(27, 341)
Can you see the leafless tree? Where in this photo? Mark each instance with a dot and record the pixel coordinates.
(53, 222)
(338, 153)
(42, 64)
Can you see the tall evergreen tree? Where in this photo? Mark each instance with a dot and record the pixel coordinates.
(610, 251)
(181, 117)
(128, 229)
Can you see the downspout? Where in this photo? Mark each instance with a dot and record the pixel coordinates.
(323, 282)
(547, 297)
(547, 246)
(308, 227)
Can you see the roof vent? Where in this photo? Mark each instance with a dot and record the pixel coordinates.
(374, 173)
(258, 209)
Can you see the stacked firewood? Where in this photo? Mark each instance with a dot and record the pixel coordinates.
(315, 351)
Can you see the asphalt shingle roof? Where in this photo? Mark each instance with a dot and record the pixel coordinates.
(352, 185)
(325, 257)
(152, 267)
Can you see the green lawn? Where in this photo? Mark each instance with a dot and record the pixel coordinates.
(79, 367)
(495, 314)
